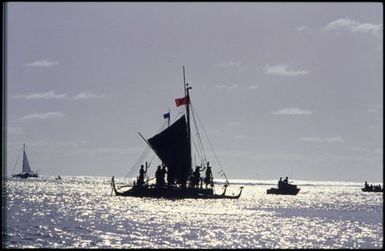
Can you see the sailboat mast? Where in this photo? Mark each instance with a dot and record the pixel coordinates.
(24, 157)
(187, 95)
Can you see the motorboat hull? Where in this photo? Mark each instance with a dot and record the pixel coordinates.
(293, 191)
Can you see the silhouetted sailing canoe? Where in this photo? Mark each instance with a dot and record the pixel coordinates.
(173, 147)
(375, 190)
(286, 189)
(174, 192)
(26, 168)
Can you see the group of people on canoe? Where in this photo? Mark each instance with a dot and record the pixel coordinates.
(372, 187)
(284, 184)
(195, 180)
(195, 177)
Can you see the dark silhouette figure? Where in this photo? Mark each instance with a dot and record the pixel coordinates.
(142, 173)
(286, 180)
(158, 177)
(163, 174)
(280, 183)
(209, 176)
(366, 185)
(196, 176)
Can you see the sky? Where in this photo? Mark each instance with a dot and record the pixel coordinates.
(281, 89)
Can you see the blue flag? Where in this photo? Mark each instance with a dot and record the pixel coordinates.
(166, 115)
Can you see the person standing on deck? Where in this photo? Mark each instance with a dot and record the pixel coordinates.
(209, 176)
(163, 174)
(141, 175)
(196, 176)
(158, 177)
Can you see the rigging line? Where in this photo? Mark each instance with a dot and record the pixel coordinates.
(17, 160)
(202, 153)
(178, 115)
(197, 150)
(215, 155)
(136, 165)
(139, 160)
(153, 157)
(196, 126)
(198, 135)
(198, 147)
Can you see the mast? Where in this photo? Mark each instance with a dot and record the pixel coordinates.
(187, 95)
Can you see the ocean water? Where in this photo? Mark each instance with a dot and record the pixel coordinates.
(80, 212)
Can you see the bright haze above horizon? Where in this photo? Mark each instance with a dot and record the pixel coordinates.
(282, 89)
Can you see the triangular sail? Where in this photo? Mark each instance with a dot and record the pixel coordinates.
(26, 167)
(171, 146)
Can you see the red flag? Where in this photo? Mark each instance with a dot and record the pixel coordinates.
(182, 101)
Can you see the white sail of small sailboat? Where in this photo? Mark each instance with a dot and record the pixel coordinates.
(26, 168)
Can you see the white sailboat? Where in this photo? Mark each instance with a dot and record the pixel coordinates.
(26, 168)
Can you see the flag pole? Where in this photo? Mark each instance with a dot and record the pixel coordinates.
(169, 115)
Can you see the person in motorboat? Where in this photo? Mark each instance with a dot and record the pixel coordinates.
(280, 183)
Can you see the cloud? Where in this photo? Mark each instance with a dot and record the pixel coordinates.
(242, 137)
(213, 131)
(53, 95)
(226, 86)
(321, 140)
(51, 145)
(88, 95)
(80, 148)
(229, 64)
(252, 87)
(378, 151)
(301, 28)
(358, 148)
(372, 110)
(46, 95)
(373, 107)
(232, 123)
(43, 63)
(47, 115)
(354, 26)
(379, 106)
(283, 70)
(15, 130)
(292, 111)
